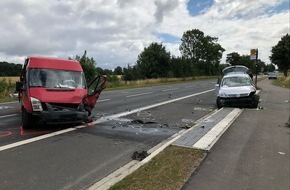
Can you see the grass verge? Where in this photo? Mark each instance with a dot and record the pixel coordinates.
(170, 169)
(282, 82)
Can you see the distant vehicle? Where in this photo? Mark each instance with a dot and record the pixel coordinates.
(272, 75)
(236, 88)
(54, 91)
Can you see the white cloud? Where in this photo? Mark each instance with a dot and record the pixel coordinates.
(115, 32)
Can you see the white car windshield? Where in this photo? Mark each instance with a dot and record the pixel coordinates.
(236, 81)
(52, 78)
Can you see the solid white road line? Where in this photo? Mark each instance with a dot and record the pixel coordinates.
(20, 143)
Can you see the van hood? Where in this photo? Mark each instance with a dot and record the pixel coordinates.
(64, 95)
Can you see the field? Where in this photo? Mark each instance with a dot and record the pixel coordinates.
(12, 79)
(7, 87)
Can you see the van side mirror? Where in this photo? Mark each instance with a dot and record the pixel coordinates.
(19, 86)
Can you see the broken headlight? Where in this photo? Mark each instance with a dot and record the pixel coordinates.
(36, 104)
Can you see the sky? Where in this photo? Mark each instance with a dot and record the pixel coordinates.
(115, 32)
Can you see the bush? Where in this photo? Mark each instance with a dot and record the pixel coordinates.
(6, 87)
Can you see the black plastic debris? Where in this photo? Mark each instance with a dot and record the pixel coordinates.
(140, 155)
(139, 121)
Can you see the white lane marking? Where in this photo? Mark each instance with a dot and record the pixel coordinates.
(211, 137)
(102, 119)
(170, 89)
(142, 94)
(20, 143)
(111, 117)
(5, 107)
(104, 100)
(11, 115)
(9, 102)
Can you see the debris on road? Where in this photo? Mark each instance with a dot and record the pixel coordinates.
(140, 155)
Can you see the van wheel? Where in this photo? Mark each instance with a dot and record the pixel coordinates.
(219, 103)
(27, 120)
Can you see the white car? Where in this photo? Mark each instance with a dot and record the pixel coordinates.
(236, 89)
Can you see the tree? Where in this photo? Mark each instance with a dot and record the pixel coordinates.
(118, 70)
(281, 54)
(88, 65)
(233, 58)
(153, 62)
(201, 50)
(10, 69)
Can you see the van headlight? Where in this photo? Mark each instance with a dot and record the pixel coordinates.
(36, 104)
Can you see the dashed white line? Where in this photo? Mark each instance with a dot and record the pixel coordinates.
(11, 115)
(170, 89)
(142, 94)
(104, 100)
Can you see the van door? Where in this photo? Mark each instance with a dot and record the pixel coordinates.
(95, 87)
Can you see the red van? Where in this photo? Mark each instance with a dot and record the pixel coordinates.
(54, 91)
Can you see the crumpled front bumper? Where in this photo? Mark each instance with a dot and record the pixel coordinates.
(237, 101)
(61, 115)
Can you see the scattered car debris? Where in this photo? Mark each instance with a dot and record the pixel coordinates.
(139, 121)
(140, 155)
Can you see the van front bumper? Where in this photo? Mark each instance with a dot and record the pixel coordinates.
(61, 114)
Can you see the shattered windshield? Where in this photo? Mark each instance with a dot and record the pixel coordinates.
(236, 81)
(52, 78)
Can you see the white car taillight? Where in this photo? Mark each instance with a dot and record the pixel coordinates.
(36, 104)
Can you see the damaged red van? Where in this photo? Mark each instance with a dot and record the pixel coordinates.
(54, 91)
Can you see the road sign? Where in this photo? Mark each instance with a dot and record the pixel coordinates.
(254, 54)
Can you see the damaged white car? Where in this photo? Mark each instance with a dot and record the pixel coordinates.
(236, 89)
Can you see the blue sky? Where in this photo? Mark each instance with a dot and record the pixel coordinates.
(115, 32)
(197, 7)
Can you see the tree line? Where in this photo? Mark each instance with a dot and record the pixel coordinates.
(10, 69)
(200, 56)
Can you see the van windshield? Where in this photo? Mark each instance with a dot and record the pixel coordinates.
(52, 78)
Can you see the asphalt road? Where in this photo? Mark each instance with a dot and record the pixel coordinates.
(136, 120)
(253, 153)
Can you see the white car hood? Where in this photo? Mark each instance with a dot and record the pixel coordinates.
(240, 90)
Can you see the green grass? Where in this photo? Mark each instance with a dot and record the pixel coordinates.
(170, 169)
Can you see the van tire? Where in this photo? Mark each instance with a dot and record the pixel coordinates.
(27, 120)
